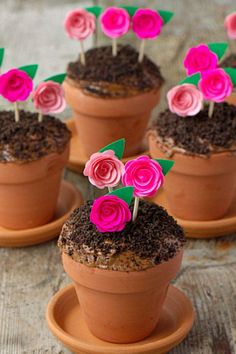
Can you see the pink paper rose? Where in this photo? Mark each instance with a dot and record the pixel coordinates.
(144, 174)
(147, 23)
(49, 97)
(230, 25)
(104, 169)
(215, 85)
(110, 213)
(185, 100)
(115, 22)
(15, 85)
(79, 24)
(199, 59)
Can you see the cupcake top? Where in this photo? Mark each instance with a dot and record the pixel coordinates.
(105, 75)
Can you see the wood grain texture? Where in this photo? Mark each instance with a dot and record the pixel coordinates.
(32, 32)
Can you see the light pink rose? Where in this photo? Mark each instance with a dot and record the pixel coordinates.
(147, 23)
(79, 24)
(215, 85)
(199, 59)
(144, 174)
(15, 85)
(48, 97)
(185, 100)
(104, 169)
(110, 213)
(230, 25)
(115, 22)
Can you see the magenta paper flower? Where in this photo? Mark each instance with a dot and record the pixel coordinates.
(104, 169)
(115, 22)
(215, 85)
(79, 24)
(110, 213)
(147, 23)
(230, 25)
(185, 100)
(49, 97)
(15, 85)
(199, 59)
(144, 174)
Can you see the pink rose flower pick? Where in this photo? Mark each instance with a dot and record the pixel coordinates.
(110, 213)
(15, 85)
(144, 174)
(79, 24)
(48, 97)
(185, 100)
(215, 85)
(115, 22)
(147, 23)
(230, 25)
(199, 59)
(104, 169)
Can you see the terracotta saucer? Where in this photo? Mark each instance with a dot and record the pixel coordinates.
(69, 199)
(203, 229)
(78, 158)
(65, 322)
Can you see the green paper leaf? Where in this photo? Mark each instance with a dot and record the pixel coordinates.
(2, 50)
(166, 165)
(117, 146)
(193, 79)
(232, 73)
(218, 48)
(166, 15)
(125, 193)
(30, 70)
(130, 9)
(95, 10)
(57, 78)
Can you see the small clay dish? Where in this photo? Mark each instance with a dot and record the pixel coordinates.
(66, 323)
(69, 199)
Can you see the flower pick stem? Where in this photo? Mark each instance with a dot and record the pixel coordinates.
(211, 109)
(40, 117)
(136, 205)
(141, 51)
(114, 47)
(17, 113)
(82, 54)
(110, 189)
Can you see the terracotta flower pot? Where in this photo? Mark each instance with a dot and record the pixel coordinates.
(232, 98)
(29, 191)
(100, 121)
(121, 307)
(199, 188)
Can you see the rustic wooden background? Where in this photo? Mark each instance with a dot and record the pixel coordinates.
(31, 31)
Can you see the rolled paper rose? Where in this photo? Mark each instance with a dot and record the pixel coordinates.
(215, 85)
(104, 169)
(110, 213)
(48, 97)
(199, 59)
(230, 25)
(115, 22)
(15, 85)
(147, 23)
(79, 24)
(144, 174)
(185, 100)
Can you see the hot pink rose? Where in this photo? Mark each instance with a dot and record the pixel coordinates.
(115, 22)
(199, 59)
(215, 85)
(230, 25)
(104, 169)
(79, 24)
(15, 85)
(49, 97)
(147, 23)
(185, 100)
(144, 174)
(110, 213)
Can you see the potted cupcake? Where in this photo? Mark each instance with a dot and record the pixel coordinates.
(122, 254)
(198, 132)
(113, 89)
(34, 149)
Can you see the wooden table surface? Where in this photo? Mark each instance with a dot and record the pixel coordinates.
(31, 31)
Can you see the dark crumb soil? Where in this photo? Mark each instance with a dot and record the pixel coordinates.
(29, 140)
(199, 134)
(106, 75)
